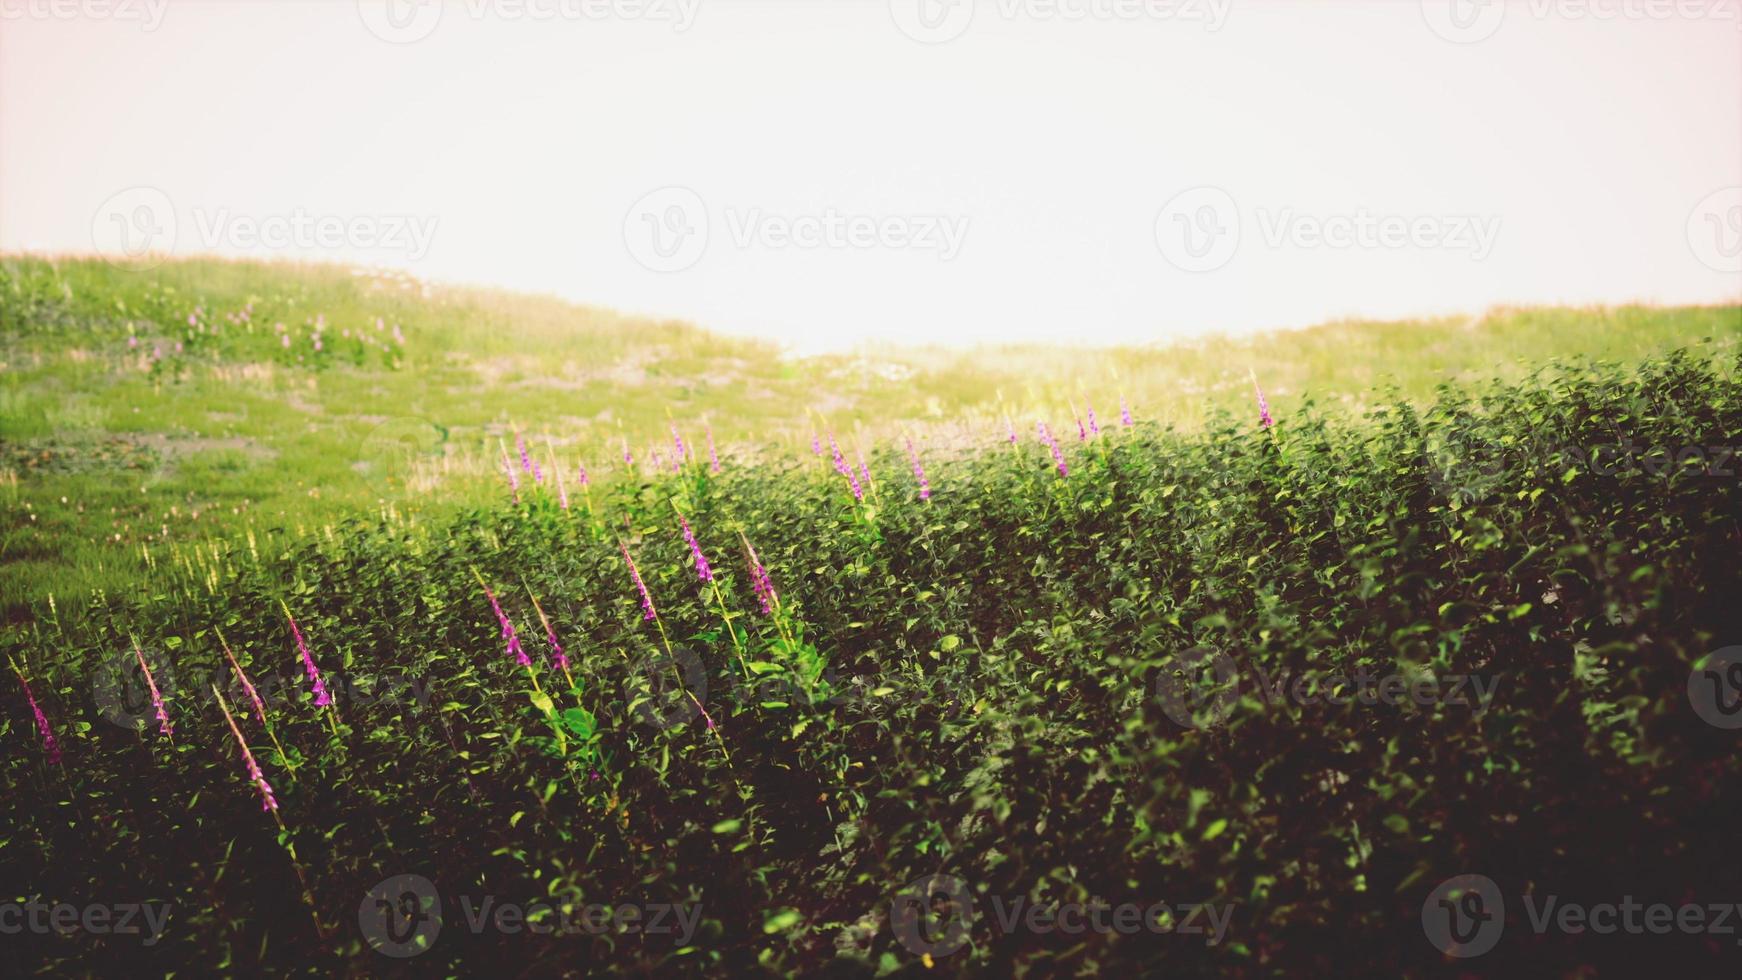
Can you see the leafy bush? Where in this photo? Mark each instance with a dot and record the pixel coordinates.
(1004, 684)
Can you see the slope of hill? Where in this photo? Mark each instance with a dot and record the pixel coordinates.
(154, 407)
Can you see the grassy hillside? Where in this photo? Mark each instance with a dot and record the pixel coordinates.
(145, 410)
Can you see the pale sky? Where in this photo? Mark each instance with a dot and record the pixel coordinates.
(911, 170)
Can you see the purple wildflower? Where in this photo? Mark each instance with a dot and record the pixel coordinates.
(816, 445)
(525, 460)
(1012, 427)
(1082, 433)
(556, 649)
(1058, 455)
(844, 469)
(163, 724)
(267, 800)
(1264, 418)
(919, 472)
(628, 457)
(759, 580)
(247, 685)
(713, 457)
(508, 634)
(582, 468)
(50, 747)
(308, 662)
(683, 454)
(1094, 426)
(703, 570)
(647, 610)
(1124, 413)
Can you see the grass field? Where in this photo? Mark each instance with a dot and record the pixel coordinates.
(329, 666)
(114, 442)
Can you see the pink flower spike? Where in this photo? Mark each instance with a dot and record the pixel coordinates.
(919, 472)
(842, 467)
(647, 611)
(1264, 418)
(322, 698)
(713, 457)
(704, 571)
(267, 800)
(509, 636)
(247, 685)
(163, 724)
(50, 747)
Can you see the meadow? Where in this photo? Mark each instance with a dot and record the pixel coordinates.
(372, 627)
